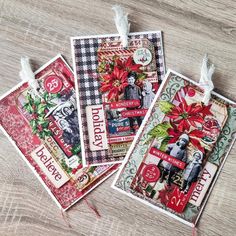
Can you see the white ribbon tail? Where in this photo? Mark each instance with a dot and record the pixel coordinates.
(206, 79)
(27, 75)
(122, 24)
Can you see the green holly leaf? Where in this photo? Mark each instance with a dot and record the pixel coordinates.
(49, 105)
(43, 135)
(159, 131)
(47, 132)
(45, 124)
(164, 144)
(41, 108)
(142, 77)
(28, 108)
(37, 101)
(33, 124)
(30, 99)
(45, 96)
(34, 130)
(92, 169)
(53, 95)
(76, 149)
(165, 106)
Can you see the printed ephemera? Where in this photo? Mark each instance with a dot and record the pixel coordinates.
(44, 128)
(173, 163)
(116, 86)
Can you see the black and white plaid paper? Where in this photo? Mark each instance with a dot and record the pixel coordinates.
(85, 67)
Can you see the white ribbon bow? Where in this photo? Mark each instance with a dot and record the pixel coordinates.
(122, 24)
(27, 75)
(205, 81)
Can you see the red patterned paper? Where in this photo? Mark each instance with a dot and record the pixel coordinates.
(15, 121)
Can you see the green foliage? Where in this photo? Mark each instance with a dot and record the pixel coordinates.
(92, 169)
(141, 77)
(65, 166)
(165, 106)
(36, 108)
(160, 130)
(76, 149)
(164, 144)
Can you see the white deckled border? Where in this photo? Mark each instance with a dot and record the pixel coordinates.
(136, 139)
(23, 156)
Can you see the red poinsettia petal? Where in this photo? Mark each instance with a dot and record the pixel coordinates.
(196, 109)
(105, 87)
(131, 66)
(190, 108)
(197, 144)
(129, 62)
(107, 77)
(174, 132)
(198, 119)
(175, 112)
(173, 116)
(196, 133)
(173, 140)
(206, 110)
(183, 125)
(123, 76)
(193, 123)
(119, 63)
(113, 93)
(136, 68)
(183, 105)
(116, 72)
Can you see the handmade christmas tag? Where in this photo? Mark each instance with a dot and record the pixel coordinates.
(116, 86)
(180, 149)
(41, 122)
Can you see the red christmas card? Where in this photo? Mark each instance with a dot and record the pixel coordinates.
(115, 86)
(44, 129)
(178, 153)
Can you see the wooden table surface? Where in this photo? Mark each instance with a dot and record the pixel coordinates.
(42, 29)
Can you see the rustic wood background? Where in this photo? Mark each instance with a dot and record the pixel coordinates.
(40, 30)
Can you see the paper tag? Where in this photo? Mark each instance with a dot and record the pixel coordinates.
(49, 166)
(203, 184)
(96, 128)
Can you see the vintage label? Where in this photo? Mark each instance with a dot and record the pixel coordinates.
(166, 157)
(96, 127)
(178, 199)
(203, 184)
(142, 56)
(53, 84)
(49, 166)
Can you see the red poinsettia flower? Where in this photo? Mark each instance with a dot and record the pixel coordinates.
(165, 193)
(188, 115)
(114, 83)
(193, 135)
(128, 65)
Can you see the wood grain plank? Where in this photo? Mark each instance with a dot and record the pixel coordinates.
(40, 30)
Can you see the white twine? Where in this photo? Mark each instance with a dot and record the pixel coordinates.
(205, 82)
(122, 24)
(27, 75)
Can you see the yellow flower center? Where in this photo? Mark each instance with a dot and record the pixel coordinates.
(116, 83)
